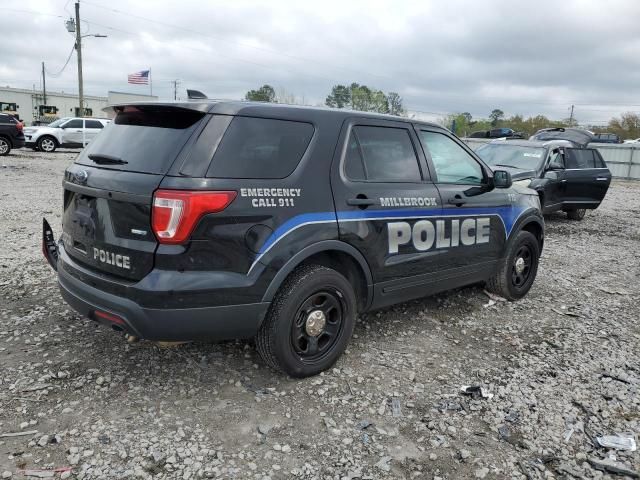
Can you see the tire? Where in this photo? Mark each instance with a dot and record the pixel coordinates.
(508, 282)
(5, 146)
(292, 337)
(47, 144)
(577, 214)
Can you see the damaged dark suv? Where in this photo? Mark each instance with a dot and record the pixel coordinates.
(196, 221)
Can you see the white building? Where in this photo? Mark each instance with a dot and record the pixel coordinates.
(31, 105)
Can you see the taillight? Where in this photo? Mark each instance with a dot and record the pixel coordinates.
(176, 212)
(19, 126)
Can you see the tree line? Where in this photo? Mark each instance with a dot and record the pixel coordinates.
(367, 99)
(354, 97)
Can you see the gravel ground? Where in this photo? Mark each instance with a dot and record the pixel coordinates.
(562, 366)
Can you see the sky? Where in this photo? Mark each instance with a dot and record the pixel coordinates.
(524, 57)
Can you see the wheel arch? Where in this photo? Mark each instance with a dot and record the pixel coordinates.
(7, 138)
(334, 254)
(534, 225)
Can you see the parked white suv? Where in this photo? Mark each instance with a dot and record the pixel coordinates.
(66, 132)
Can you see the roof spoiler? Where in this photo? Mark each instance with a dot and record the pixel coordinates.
(196, 95)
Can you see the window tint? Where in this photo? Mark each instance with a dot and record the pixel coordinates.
(260, 148)
(580, 158)
(76, 123)
(93, 124)
(149, 138)
(381, 154)
(453, 164)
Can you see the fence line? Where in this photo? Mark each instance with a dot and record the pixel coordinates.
(623, 159)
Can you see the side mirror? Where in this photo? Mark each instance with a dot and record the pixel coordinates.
(502, 179)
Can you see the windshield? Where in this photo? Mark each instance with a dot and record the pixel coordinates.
(515, 156)
(58, 122)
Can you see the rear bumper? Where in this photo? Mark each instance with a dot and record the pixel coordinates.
(18, 142)
(185, 324)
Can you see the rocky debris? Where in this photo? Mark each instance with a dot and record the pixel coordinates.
(562, 365)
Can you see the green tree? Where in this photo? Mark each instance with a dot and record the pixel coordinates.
(495, 116)
(265, 93)
(340, 97)
(627, 126)
(395, 104)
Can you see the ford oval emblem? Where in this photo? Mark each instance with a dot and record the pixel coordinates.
(81, 176)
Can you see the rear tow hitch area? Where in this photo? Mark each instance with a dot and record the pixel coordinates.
(49, 247)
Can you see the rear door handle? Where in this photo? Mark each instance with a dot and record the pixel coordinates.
(601, 179)
(457, 200)
(563, 181)
(78, 131)
(361, 202)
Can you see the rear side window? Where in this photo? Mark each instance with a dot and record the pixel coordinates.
(381, 154)
(93, 124)
(260, 148)
(147, 137)
(580, 158)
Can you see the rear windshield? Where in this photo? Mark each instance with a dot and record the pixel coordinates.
(260, 148)
(514, 156)
(143, 139)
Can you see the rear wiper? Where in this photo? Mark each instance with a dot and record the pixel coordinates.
(106, 159)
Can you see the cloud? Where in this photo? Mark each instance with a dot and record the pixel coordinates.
(527, 58)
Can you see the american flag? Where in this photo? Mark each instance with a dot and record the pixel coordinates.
(139, 78)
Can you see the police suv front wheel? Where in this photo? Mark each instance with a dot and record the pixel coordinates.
(309, 323)
(516, 275)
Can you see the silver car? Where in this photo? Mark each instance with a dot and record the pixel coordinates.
(66, 132)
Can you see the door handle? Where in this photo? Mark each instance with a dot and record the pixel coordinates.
(361, 202)
(457, 201)
(601, 179)
(563, 181)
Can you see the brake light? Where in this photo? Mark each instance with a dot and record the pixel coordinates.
(19, 126)
(176, 212)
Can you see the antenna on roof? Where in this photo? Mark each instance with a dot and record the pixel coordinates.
(196, 95)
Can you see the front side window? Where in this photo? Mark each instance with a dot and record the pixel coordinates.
(381, 154)
(453, 163)
(75, 123)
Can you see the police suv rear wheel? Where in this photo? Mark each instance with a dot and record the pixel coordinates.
(516, 275)
(577, 214)
(309, 322)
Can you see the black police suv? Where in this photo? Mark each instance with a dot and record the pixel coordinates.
(193, 221)
(566, 178)
(11, 133)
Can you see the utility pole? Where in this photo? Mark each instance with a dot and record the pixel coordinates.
(571, 117)
(79, 52)
(175, 88)
(44, 87)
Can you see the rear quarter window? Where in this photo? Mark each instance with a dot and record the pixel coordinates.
(260, 148)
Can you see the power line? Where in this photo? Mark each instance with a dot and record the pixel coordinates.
(57, 74)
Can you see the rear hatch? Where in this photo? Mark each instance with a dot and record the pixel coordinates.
(108, 191)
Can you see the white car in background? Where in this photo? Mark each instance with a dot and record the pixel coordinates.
(66, 132)
(637, 140)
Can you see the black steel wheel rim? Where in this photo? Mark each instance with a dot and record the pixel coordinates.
(522, 266)
(312, 348)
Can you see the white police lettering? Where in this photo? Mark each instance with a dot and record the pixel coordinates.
(408, 201)
(271, 197)
(442, 233)
(110, 258)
